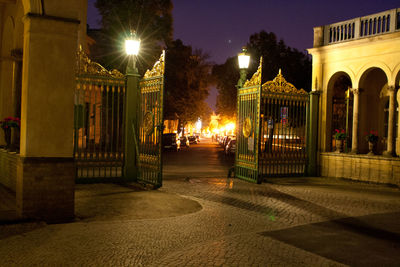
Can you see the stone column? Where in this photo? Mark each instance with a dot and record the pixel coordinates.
(398, 125)
(45, 170)
(312, 133)
(389, 149)
(354, 142)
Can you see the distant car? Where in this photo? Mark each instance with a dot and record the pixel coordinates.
(231, 147)
(192, 139)
(171, 141)
(184, 141)
(221, 140)
(226, 140)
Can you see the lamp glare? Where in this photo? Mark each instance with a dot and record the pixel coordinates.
(132, 46)
(244, 61)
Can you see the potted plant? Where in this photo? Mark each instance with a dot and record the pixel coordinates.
(339, 136)
(372, 139)
(10, 125)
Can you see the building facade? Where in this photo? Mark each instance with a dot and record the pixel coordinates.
(356, 71)
(38, 45)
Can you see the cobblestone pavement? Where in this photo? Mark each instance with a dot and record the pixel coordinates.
(288, 222)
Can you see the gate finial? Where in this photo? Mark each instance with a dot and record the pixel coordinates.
(158, 68)
(256, 79)
(280, 85)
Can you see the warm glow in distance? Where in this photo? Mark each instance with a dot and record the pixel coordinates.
(230, 126)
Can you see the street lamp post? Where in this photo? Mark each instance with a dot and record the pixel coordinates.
(243, 60)
(132, 46)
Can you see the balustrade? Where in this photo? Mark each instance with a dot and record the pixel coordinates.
(362, 27)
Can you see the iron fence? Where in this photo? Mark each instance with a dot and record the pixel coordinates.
(99, 117)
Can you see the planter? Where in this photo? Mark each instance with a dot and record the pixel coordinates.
(339, 145)
(11, 137)
(371, 146)
(7, 137)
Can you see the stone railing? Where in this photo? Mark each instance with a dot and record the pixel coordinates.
(362, 27)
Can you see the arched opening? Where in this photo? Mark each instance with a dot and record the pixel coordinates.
(11, 44)
(6, 67)
(373, 108)
(11, 62)
(339, 109)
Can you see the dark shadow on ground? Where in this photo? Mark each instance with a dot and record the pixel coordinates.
(19, 227)
(361, 241)
(107, 202)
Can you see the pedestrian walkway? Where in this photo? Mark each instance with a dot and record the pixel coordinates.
(217, 222)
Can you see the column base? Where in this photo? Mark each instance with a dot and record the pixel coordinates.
(387, 153)
(353, 152)
(45, 189)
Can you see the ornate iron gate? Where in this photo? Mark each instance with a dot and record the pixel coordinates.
(151, 124)
(98, 127)
(283, 129)
(271, 133)
(248, 129)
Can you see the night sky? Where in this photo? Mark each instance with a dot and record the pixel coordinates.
(221, 27)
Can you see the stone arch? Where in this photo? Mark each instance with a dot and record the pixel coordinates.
(373, 65)
(33, 6)
(337, 85)
(373, 83)
(396, 75)
(343, 69)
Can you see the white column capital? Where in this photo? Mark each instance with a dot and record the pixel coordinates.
(355, 91)
(391, 88)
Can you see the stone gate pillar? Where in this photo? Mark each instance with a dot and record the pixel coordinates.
(45, 170)
(312, 134)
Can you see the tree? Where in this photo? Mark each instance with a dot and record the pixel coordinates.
(152, 21)
(187, 79)
(225, 77)
(295, 65)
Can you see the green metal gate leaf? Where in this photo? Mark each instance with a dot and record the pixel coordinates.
(248, 129)
(150, 124)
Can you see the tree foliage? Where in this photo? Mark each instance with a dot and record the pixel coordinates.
(295, 66)
(225, 77)
(187, 79)
(152, 21)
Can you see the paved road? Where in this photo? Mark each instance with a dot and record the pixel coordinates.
(205, 159)
(200, 221)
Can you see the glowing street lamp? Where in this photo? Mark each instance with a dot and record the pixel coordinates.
(132, 47)
(243, 60)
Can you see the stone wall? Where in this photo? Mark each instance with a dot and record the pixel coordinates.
(8, 169)
(45, 188)
(376, 169)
